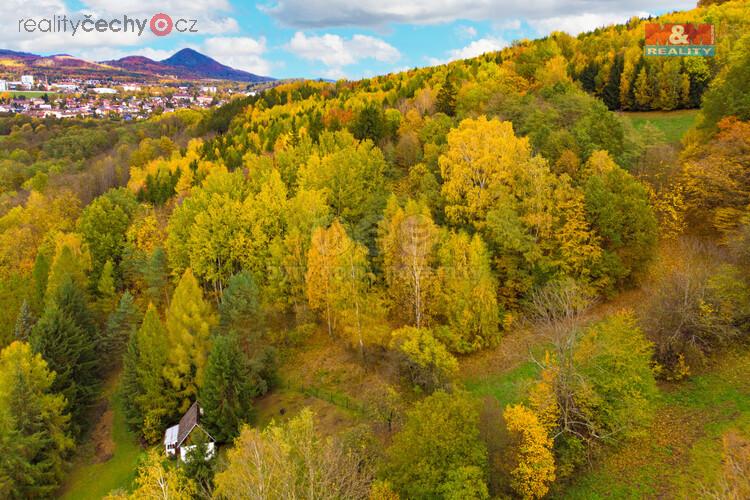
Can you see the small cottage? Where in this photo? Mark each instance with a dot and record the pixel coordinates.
(177, 439)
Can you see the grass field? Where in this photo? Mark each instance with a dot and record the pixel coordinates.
(509, 387)
(673, 124)
(681, 455)
(92, 478)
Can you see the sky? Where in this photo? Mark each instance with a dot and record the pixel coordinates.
(314, 38)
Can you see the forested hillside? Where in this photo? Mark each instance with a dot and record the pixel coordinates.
(474, 280)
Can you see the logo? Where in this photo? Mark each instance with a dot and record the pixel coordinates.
(679, 40)
(161, 24)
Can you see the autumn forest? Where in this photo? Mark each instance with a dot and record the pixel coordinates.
(495, 278)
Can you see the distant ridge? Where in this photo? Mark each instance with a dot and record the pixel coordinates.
(186, 64)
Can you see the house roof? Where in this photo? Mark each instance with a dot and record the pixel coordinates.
(177, 434)
(188, 422)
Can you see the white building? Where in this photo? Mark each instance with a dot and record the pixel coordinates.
(131, 88)
(3, 85)
(103, 90)
(27, 81)
(208, 90)
(177, 439)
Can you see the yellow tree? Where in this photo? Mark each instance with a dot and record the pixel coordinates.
(468, 293)
(480, 157)
(189, 323)
(407, 238)
(534, 462)
(336, 280)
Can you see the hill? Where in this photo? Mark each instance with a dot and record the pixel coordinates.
(186, 64)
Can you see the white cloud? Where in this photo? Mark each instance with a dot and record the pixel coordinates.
(109, 53)
(335, 52)
(478, 47)
(576, 24)
(474, 49)
(509, 24)
(466, 31)
(328, 13)
(239, 52)
(211, 15)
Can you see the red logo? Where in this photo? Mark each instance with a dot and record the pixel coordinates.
(161, 24)
(679, 34)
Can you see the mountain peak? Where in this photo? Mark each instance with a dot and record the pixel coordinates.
(188, 57)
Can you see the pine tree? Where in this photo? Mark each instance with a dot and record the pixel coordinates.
(121, 325)
(611, 91)
(156, 277)
(446, 98)
(228, 389)
(33, 426)
(71, 299)
(189, 323)
(40, 274)
(240, 304)
(24, 323)
(150, 402)
(71, 355)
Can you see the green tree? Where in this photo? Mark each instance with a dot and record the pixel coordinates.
(370, 123)
(228, 389)
(33, 426)
(618, 209)
(70, 352)
(240, 307)
(24, 322)
(446, 98)
(103, 224)
(122, 324)
(729, 95)
(149, 398)
(440, 436)
(352, 174)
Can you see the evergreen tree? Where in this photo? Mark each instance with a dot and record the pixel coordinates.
(24, 323)
(71, 299)
(156, 277)
(228, 389)
(40, 274)
(34, 435)
(200, 466)
(150, 402)
(446, 98)
(611, 91)
(68, 351)
(189, 323)
(121, 325)
(240, 304)
(370, 123)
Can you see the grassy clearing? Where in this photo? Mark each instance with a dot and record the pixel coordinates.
(509, 387)
(680, 456)
(673, 124)
(92, 478)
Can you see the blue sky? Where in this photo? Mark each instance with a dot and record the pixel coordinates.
(319, 38)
